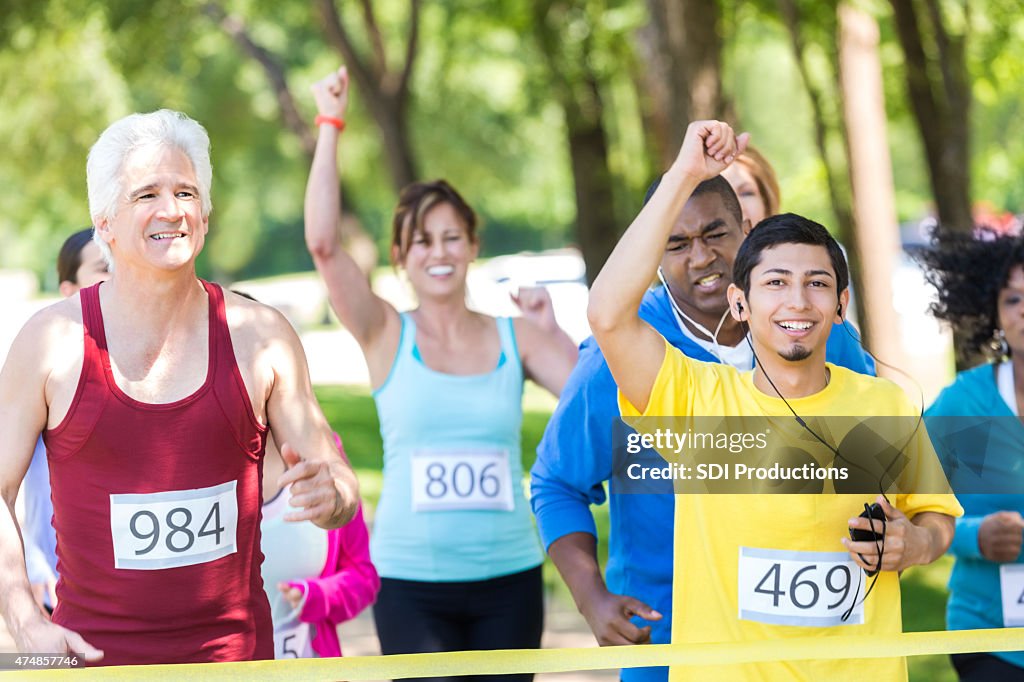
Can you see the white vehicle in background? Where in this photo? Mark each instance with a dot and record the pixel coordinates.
(561, 271)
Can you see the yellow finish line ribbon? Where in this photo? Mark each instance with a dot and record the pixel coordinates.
(563, 660)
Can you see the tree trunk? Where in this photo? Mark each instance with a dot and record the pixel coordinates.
(392, 121)
(237, 30)
(356, 240)
(384, 89)
(825, 127)
(682, 45)
(597, 230)
(876, 234)
(577, 87)
(939, 96)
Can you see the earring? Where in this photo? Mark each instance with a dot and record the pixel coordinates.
(998, 344)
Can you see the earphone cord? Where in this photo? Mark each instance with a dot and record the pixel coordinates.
(878, 567)
(879, 547)
(920, 391)
(801, 422)
(917, 426)
(713, 335)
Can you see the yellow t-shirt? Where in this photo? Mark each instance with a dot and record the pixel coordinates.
(751, 567)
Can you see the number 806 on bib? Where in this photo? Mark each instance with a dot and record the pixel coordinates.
(461, 481)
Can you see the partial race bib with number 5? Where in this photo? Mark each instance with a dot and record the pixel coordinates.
(462, 480)
(293, 641)
(175, 528)
(812, 589)
(291, 635)
(1011, 585)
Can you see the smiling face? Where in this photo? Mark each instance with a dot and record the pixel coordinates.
(697, 264)
(159, 221)
(1010, 311)
(438, 257)
(793, 301)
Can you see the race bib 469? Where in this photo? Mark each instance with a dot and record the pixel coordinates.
(175, 528)
(812, 589)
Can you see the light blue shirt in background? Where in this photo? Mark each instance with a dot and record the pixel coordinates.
(975, 599)
(39, 535)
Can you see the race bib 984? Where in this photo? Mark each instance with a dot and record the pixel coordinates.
(812, 589)
(175, 528)
(463, 480)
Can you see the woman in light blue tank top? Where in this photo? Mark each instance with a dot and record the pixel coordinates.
(452, 540)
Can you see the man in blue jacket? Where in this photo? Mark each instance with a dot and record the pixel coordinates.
(633, 603)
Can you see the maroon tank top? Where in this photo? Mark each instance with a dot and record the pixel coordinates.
(157, 512)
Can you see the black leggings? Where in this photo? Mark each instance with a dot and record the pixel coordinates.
(500, 613)
(985, 668)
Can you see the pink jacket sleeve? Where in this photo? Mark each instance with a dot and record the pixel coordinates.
(351, 584)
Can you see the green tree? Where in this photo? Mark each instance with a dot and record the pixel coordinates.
(940, 98)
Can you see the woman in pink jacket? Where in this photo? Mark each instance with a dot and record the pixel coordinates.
(315, 579)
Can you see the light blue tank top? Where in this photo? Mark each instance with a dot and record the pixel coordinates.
(452, 505)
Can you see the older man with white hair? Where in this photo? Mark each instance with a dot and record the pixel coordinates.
(154, 392)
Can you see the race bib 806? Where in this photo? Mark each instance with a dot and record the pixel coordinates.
(175, 528)
(463, 480)
(812, 589)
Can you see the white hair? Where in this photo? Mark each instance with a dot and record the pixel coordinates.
(105, 167)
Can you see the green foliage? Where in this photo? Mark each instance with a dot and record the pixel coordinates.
(474, 93)
(761, 77)
(997, 125)
(50, 118)
(924, 597)
(351, 413)
(484, 111)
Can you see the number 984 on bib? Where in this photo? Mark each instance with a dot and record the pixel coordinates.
(151, 531)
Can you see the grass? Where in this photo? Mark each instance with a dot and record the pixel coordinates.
(352, 413)
(924, 610)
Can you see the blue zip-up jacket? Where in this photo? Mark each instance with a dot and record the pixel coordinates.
(575, 458)
(974, 599)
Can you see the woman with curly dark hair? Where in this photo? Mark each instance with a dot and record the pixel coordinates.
(980, 283)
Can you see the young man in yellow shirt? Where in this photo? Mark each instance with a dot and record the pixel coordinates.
(760, 567)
